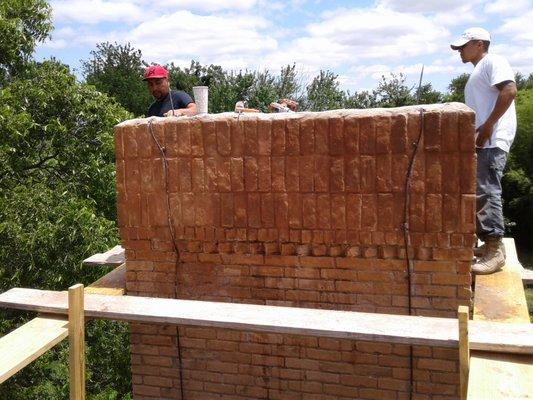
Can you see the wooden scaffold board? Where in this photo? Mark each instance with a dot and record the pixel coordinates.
(515, 338)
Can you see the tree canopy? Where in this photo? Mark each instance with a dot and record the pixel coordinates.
(23, 24)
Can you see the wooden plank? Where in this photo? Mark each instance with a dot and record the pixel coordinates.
(500, 296)
(76, 336)
(114, 256)
(497, 376)
(28, 342)
(527, 277)
(464, 351)
(325, 323)
(113, 283)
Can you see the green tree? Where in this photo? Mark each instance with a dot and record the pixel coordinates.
(456, 89)
(23, 24)
(57, 206)
(323, 93)
(393, 92)
(363, 99)
(116, 70)
(58, 131)
(523, 83)
(518, 179)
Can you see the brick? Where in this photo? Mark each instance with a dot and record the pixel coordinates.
(383, 173)
(281, 210)
(295, 210)
(278, 137)
(292, 174)
(237, 174)
(337, 175)
(211, 176)
(223, 137)
(367, 136)
(450, 132)
(383, 133)
(278, 174)
(351, 173)
(322, 135)
(197, 140)
(210, 138)
(468, 173)
(251, 145)
(292, 135)
(418, 175)
(322, 171)
(267, 210)
(467, 132)
(237, 137)
(309, 216)
(198, 177)
(451, 181)
(336, 136)
(385, 205)
(368, 174)
(468, 213)
(434, 173)
(223, 175)
(264, 174)
(323, 205)
(398, 137)
(432, 132)
(254, 210)
(434, 218)
(264, 137)
(369, 211)
(307, 136)
(307, 166)
(351, 135)
(250, 174)
(399, 164)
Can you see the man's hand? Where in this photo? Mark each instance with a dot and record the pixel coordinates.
(484, 133)
(176, 113)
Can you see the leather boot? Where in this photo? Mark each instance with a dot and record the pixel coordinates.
(480, 250)
(493, 260)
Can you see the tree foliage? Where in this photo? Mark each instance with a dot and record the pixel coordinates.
(57, 206)
(23, 24)
(117, 69)
(518, 179)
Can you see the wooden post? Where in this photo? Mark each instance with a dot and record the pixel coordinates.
(76, 337)
(464, 351)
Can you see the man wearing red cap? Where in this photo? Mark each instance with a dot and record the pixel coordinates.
(167, 102)
(490, 92)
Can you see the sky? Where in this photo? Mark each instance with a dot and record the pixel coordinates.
(358, 40)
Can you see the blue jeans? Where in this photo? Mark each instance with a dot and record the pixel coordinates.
(489, 216)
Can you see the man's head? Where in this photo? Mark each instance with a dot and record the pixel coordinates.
(472, 45)
(156, 78)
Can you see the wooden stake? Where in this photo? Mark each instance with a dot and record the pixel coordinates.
(76, 336)
(464, 351)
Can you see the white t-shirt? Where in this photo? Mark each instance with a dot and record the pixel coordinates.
(481, 94)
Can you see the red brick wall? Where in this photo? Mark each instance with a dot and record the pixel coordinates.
(296, 210)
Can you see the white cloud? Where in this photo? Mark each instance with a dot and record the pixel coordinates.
(518, 28)
(213, 37)
(426, 6)
(96, 11)
(207, 5)
(378, 33)
(506, 7)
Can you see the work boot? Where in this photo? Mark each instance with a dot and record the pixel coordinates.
(479, 251)
(493, 260)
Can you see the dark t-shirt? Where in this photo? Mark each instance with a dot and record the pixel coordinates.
(159, 107)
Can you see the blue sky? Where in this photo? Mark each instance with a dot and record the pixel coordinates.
(358, 40)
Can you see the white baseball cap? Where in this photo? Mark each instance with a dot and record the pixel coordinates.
(471, 34)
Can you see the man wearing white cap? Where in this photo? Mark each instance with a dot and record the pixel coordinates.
(490, 92)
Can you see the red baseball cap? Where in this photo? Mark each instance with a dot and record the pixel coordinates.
(155, 72)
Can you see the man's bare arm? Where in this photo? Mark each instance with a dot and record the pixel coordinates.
(505, 98)
(189, 111)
